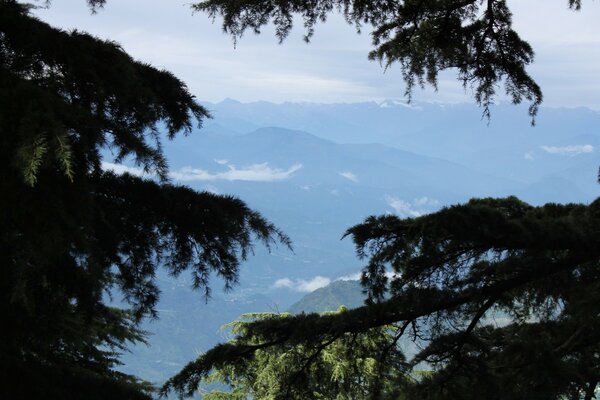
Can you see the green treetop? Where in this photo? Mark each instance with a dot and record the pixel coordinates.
(347, 368)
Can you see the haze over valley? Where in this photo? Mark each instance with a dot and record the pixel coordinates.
(317, 169)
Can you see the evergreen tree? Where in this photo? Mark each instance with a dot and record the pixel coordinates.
(501, 296)
(346, 368)
(475, 37)
(73, 235)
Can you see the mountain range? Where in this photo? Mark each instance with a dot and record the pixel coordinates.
(316, 169)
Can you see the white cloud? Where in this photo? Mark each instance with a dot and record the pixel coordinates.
(221, 162)
(192, 174)
(571, 150)
(301, 285)
(402, 208)
(349, 175)
(334, 67)
(529, 156)
(415, 208)
(121, 169)
(352, 277)
(255, 172)
(356, 276)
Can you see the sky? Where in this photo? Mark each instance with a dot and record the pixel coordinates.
(334, 66)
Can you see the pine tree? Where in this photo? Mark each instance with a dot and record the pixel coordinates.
(501, 296)
(424, 37)
(73, 235)
(346, 368)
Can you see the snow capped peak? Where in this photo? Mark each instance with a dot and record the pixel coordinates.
(398, 103)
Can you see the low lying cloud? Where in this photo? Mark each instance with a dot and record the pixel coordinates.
(411, 209)
(301, 285)
(572, 150)
(349, 175)
(255, 172)
(352, 277)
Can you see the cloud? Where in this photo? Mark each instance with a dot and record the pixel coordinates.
(334, 68)
(255, 172)
(415, 208)
(352, 277)
(121, 169)
(402, 208)
(528, 156)
(349, 175)
(221, 162)
(301, 285)
(356, 276)
(571, 150)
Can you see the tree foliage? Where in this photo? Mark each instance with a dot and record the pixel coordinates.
(347, 368)
(473, 37)
(455, 272)
(73, 235)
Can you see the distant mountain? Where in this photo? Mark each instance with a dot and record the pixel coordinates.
(313, 161)
(315, 189)
(506, 146)
(316, 169)
(330, 298)
(341, 293)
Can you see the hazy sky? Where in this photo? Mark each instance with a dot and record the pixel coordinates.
(334, 66)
